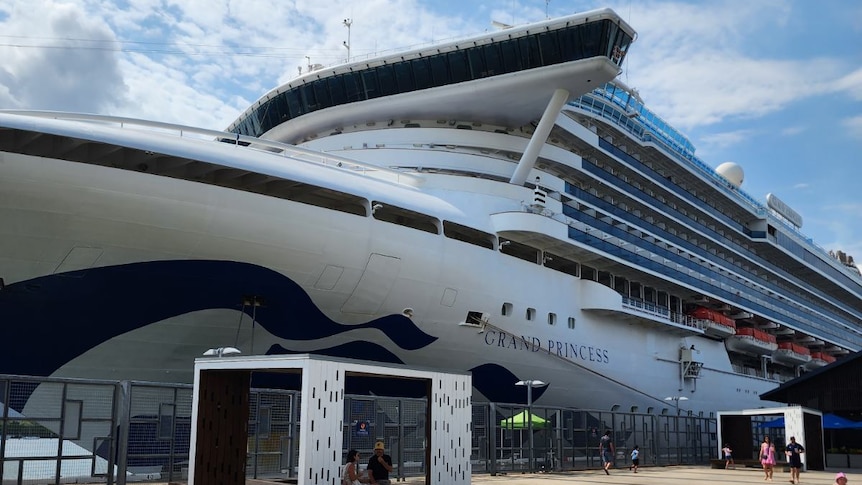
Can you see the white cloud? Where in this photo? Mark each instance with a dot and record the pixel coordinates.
(854, 126)
(724, 140)
(698, 66)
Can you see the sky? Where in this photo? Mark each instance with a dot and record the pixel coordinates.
(773, 85)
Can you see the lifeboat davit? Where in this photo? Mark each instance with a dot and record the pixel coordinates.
(791, 354)
(751, 341)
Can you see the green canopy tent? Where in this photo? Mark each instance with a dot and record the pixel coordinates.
(519, 421)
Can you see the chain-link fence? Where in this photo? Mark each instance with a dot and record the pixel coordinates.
(69, 430)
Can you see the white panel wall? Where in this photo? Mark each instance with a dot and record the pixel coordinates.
(451, 421)
(321, 431)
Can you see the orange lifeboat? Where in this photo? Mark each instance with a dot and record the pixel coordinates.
(751, 341)
(791, 354)
(713, 323)
(819, 359)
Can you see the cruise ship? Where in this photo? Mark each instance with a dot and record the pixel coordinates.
(500, 204)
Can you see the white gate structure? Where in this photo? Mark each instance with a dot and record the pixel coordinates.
(220, 405)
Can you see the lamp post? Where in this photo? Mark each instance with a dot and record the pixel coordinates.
(530, 385)
(676, 400)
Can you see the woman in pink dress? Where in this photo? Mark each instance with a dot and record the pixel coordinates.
(767, 458)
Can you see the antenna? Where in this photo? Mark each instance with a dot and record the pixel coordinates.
(347, 23)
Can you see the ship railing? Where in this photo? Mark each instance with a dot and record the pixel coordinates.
(273, 147)
(646, 307)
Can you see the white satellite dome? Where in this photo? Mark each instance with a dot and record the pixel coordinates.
(732, 172)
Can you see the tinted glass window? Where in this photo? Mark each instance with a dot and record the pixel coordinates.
(280, 105)
(509, 55)
(352, 87)
(493, 62)
(439, 69)
(529, 48)
(369, 84)
(336, 90)
(550, 50)
(404, 77)
(421, 73)
(306, 95)
(293, 103)
(477, 63)
(386, 78)
(321, 94)
(458, 66)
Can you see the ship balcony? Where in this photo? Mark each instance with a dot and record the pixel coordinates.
(598, 299)
(791, 354)
(751, 341)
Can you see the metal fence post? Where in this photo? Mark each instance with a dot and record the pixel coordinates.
(124, 412)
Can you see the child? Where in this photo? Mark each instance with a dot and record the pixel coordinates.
(635, 460)
(728, 456)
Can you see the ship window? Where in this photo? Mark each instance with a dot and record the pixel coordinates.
(550, 49)
(530, 315)
(552, 318)
(468, 235)
(369, 84)
(293, 103)
(493, 63)
(321, 94)
(529, 48)
(572, 322)
(588, 273)
(386, 78)
(458, 66)
(439, 69)
(306, 95)
(477, 63)
(561, 264)
(352, 87)
(520, 251)
(385, 212)
(421, 73)
(404, 77)
(506, 311)
(337, 91)
(509, 54)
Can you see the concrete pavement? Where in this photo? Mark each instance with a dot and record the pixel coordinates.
(671, 475)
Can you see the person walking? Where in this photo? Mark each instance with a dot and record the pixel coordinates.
(606, 451)
(794, 453)
(728, 456)
(767, 458)
(635, 459)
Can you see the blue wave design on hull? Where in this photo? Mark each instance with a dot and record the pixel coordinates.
(497, 383)
(59, 317)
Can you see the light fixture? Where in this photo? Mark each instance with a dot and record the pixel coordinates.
(222, 351)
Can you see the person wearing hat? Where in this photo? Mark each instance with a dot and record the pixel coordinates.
(840, 479)
(379, 465)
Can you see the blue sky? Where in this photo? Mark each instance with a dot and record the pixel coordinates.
(775, 86)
